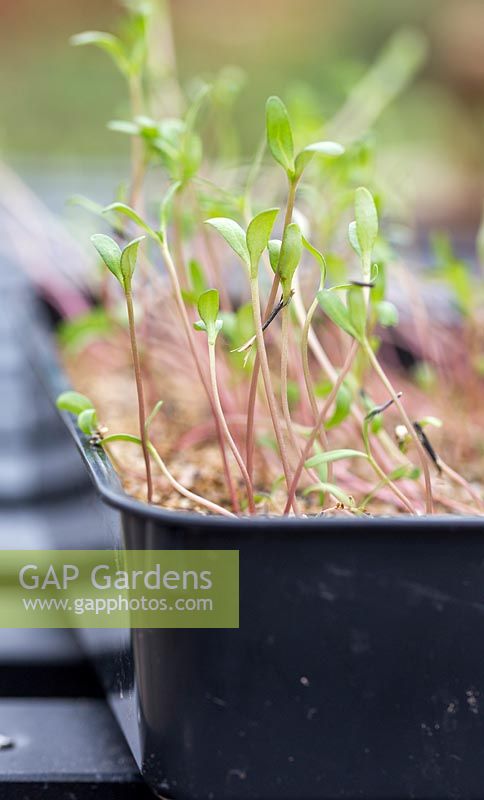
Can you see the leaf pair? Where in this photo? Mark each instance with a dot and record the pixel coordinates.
(172, 140)
(121, 263)
(362, 233)
(281, 143)
(107, 42)
(79, 405)
(247, 246)
(351, 318)
(208, 308)
(285, 256)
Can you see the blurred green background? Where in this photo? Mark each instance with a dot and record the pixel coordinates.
(56, 100)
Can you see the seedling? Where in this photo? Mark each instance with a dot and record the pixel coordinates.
(287, 354)
(122, 263)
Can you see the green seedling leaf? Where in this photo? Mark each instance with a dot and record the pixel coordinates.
(386, 314)
(152, 415)
(107, 42)
(291, 251)
(366, 221)
(319, 258)
(328, 149)
(233, 235)
(322, 469)
(73, 402)
(110, 252)
(125, 210)
(208, 308)
(335, 309)
(257, 237)
(197, 277)
(128, 259)
(75, 333)
(404, 471)
(329, 456)
(274, 248)
(434, 421)
(330, 488)
(357, 310)
(124, 126)
(197, 282)
(279, 134)
(94, 208)
(87, 421)
(353, 238)
(342, 408)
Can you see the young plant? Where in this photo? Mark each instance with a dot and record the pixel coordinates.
(122, 264)
(353, 318)
(249, 247)
(208, 308)
(130, 58)
(310, 414)
(84, 410)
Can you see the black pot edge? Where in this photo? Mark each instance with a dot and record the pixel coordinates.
(108, 485)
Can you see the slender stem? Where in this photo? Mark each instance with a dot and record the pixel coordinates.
(307, 374)
(386, 446)
(269, 391)
(284, 390)
(250, 438)
(196, 498)
(320, 422)
(139, 389)
(191, 343)
(225, 427)
(411, 430)
(454, 476)
(384, 479)
(309, 385)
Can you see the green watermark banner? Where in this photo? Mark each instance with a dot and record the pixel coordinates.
(119, 589)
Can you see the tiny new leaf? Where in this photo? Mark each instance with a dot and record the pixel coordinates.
(318, 256)
(128, 259)
(279, 134)
(290, 256)
(258, 233)
(336, 310)
(233, 235)
(87, 421)
(208, 308)
(328, 456)
(122, 208)
(357, 310)
(387, 314)
(366, 221)
(274, 248)
(73, 402)
(110, 252)
(107, 42)
(328, 149)
(330, 488)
